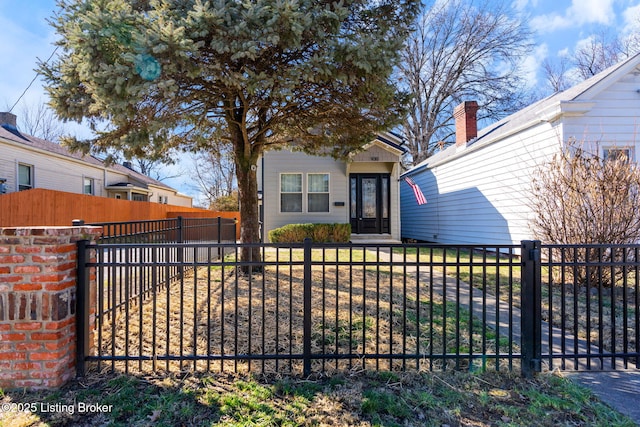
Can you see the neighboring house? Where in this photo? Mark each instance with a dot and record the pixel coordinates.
(478, 190)
(295, 187)
(27, 162)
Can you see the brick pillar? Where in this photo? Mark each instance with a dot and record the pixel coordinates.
(38, 304)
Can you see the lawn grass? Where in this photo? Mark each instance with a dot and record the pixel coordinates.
(366, 399)
(484, 270)
(361, 308)
(596, 313)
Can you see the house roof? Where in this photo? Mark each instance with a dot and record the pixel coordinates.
(576, 99)
(391, 139)
(10, 133)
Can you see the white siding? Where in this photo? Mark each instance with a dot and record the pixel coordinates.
(173, 198)
(49, 171)
(55, 172)
(481, 196)
(614, 119)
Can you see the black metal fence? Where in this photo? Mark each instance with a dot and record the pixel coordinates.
(127, 281)
(320, 308)
(172, 230)
(590, 306)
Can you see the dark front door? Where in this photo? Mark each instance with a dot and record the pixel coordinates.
(370, 202)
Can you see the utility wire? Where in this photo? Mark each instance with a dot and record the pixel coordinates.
(34, 79)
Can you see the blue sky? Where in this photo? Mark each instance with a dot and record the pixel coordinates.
(559, 25)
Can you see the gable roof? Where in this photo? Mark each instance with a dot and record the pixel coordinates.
(10, 133)
(392, 140)
(574, 100)
(389, 140)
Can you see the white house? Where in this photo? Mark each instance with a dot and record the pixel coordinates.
(478, 190)
(297, 188)
(27, 162)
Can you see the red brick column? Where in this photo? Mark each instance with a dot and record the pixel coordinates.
(38, 304)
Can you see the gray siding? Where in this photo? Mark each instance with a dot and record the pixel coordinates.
(286, 161)
(375, 159)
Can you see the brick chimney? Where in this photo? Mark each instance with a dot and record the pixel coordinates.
(466, 122)
(8, 120)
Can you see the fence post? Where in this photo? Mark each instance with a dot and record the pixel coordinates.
(306, 356)
(179, 226)
(531, 328)
(180, 253)
(83, 309)
(220, 237)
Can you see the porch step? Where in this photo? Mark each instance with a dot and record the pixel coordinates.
(373, 239)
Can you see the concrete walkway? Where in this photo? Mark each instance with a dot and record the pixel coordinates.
(619, 389)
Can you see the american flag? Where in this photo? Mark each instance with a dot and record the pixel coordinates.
(416, 191)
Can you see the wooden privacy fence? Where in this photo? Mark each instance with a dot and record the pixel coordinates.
(40, 207)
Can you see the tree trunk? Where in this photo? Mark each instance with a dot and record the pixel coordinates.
(249, 216)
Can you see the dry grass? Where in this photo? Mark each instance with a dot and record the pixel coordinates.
(606, 315)
(359, 310)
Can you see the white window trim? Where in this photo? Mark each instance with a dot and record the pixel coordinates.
(93, 185)
(328, 192)
(32, 174)
(304, 193)
(280, 192)
(606, 149)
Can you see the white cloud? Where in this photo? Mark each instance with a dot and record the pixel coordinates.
(580, 12)
(521, 5)
(631, 19)
(531, 64)
(592, 12)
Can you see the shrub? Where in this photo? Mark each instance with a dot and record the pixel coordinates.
(581, 198)
(319, 233)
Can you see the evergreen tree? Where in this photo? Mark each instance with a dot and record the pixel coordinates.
(155, 75)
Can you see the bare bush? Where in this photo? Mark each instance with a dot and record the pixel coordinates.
(580, 198)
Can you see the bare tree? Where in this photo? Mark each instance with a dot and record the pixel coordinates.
(215, 173)
(579, 197)
(556, 74)
(461, 50)
(155, 169)
(40, 121)
(600, 51)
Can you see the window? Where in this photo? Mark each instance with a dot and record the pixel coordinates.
(318, 192)
(291, 192)
(25, 177)
(88, 187)
(615, 153)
